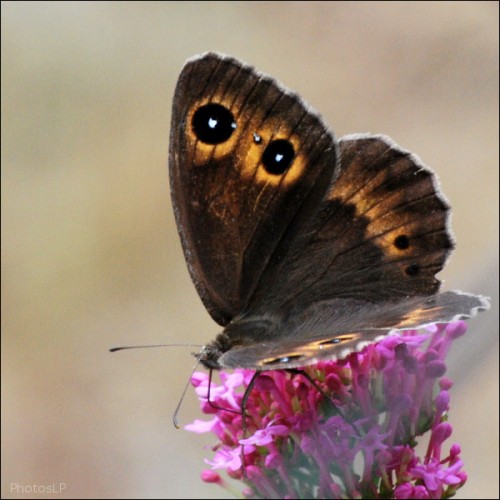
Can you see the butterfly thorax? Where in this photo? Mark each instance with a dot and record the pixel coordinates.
(239, 333)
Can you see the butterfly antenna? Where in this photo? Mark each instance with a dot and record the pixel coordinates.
(114, 349)
(176, 412)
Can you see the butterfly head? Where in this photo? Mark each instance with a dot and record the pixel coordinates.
(210, 353)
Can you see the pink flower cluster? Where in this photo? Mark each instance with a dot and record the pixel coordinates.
(353, 438)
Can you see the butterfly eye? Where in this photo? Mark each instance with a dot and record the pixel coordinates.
(278, 156)
(283, 359)
(213, 124)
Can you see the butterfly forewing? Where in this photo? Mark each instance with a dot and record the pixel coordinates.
(247, 158)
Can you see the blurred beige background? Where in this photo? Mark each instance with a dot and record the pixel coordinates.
(90, 253)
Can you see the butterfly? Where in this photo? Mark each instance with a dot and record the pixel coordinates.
(301, 246)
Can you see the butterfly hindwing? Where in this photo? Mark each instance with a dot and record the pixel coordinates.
(380, 233)
(333, 329)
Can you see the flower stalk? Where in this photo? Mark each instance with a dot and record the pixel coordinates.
(356, 437)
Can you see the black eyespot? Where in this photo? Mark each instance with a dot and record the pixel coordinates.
(283, 359)
(412, 270)
(278, 156)
(257, 138)
(402, 242)
(336, 340)
(213, 124)
(392, 184)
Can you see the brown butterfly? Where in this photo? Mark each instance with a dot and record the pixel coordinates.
(301, 246)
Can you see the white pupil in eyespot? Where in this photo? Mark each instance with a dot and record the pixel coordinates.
(212, 122)
(279, 158)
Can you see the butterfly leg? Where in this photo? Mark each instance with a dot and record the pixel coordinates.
(211, 403)
(340, 413)
(244, 402)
